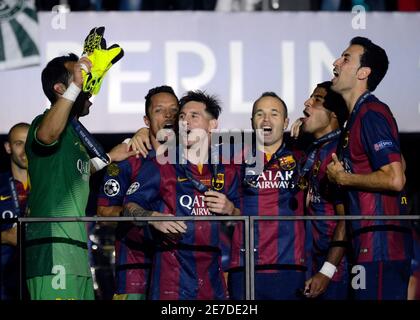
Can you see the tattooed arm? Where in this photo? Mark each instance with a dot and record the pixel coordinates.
(132, 209)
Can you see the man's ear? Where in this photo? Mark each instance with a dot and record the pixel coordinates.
(59, 88)
(334, 116)
(363, 73)
(7, 147)
(213, 124)
(146, 121)
(286, 123)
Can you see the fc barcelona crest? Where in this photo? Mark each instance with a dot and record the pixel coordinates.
(287, 162)
(219, 182)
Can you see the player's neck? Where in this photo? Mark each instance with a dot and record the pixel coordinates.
(19, 173)
(273, 147)
(352, 96)
(324, 131)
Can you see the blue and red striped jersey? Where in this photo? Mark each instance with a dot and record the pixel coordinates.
(322, 197)
(8, 253)
(7, 206)
(132, 249)
(191, 267)
(321, 200)
(371, 141)
(275, 193)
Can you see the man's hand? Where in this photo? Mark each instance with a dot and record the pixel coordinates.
(9, 236)
(316, 285)
(335, 169)
(121, 152)
(218, 203)
(171, 229)
(295, 128)
(140, 142)
(83, 64)
(111, 211)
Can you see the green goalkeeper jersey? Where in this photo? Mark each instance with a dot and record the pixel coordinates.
(59, 175)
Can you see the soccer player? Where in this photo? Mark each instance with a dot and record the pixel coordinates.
(369, 168)
(325, 113)
(187, 260)
(132, 250)
(280, 261)
(14, 189)
(59, 168)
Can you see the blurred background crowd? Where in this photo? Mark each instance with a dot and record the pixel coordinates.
(232, 5)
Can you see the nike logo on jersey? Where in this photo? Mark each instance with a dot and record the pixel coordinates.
(182, 179)
(2, 198)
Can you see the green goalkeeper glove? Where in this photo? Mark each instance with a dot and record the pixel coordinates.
(102, 59)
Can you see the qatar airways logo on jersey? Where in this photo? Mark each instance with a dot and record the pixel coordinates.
(84, 169)
(195, 204)
(276, 180)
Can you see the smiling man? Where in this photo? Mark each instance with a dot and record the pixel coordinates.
(187, 259)
(14, 189)
(369, 168)
(280, 262)
(133, 251)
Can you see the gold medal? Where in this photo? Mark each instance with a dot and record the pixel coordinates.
(302, 183)
(113, 170)
(316, 167)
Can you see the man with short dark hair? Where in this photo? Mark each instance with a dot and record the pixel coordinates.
(280, 261)
(59, 167)
(187, 260)
(133, 250)
(14, 190)
(325, 114)
(369, 168)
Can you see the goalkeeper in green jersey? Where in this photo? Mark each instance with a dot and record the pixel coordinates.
(61, 155)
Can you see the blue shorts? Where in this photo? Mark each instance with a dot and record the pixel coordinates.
(385, 280)
(337, 290)
(415, 261)
(278, 285)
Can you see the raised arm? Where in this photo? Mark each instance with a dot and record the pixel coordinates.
(54, 122)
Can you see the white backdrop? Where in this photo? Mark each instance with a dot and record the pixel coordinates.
(234, 55)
